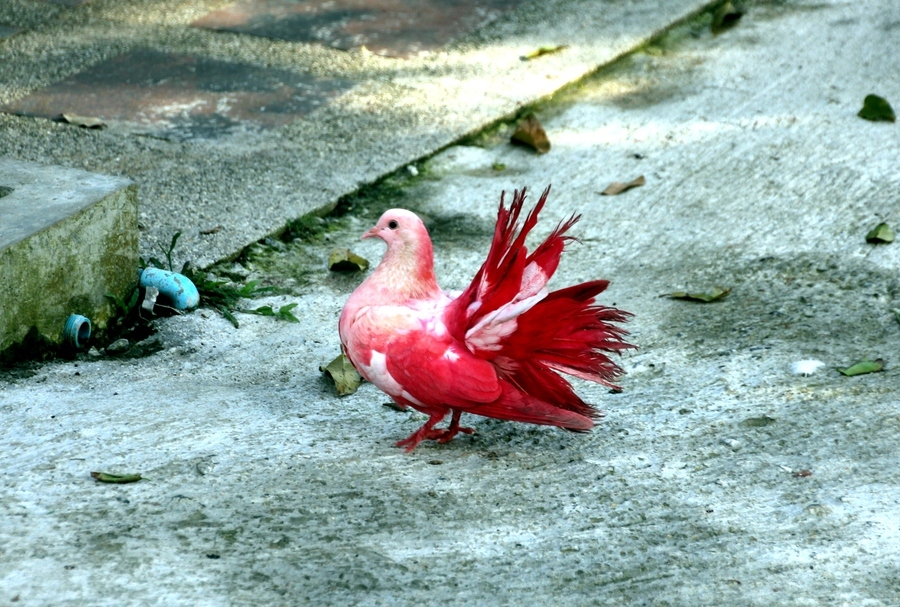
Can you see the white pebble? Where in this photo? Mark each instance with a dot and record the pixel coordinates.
(806, 367)
(412, 170)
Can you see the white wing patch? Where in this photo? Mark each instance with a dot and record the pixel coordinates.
(534, 279)
(377, 373)
(492, 328)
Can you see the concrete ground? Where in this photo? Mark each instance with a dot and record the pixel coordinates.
(718, 477)
(227, 192)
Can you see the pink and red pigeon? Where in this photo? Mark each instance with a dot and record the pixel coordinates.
(495, 350)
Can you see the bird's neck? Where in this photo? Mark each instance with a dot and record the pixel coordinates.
(406, 274)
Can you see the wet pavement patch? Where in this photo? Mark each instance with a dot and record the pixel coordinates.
(182, 97)
(397, 28)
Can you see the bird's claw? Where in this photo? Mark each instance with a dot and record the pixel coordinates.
(440, 435)
(449, 433)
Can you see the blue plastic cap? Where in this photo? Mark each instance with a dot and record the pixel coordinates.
(77, 331)
(177, 287)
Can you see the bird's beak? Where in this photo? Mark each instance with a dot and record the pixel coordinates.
(373, 233)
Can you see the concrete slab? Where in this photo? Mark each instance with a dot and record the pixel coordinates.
(395, 28)
(719, 477)
(181, 97)
(67, 237)
(252, 184)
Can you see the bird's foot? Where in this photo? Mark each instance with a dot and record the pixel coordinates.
(423, 433)
(429, 432)
(445, 436)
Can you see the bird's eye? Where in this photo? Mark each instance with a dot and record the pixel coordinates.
(392, 224)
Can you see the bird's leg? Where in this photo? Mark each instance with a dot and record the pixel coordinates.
(454, 428)
(427, 431)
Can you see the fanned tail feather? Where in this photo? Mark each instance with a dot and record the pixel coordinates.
(515, 405)
(509, 274)
(506, 316)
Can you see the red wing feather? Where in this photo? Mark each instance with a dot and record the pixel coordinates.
(564, 332)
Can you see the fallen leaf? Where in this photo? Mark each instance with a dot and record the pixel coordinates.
(346, 378)
(342, 260)
(543, 50)
(727, 16)
(863, 367)
(802, 473)
(210, 231)
(882, 233)
(877, 109)
(617, 187)
(103, 477)
(498, 166)
(716, 294)
(530, 132)
(87, 122)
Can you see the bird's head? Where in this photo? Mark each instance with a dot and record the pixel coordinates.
(410, 257)
(402, 230)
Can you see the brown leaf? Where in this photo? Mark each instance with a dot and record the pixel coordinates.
(617, 187)
(87, 122)
(345, 376)
(209, 231)
(727, 16)
(530, 132)
(103, 477)
(802, 473)
(714, 295)
(343, 260)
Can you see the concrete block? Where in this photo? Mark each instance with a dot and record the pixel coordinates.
(67, 237)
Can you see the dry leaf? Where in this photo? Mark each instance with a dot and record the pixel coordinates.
(726, 16)
(530, 132)
(343, 260)
(802, 473)
(877, 109)
(346, 378)
(86, 122)
(103, 477)
(210, 231)
(617, 187)
(543, 50)
(714, 295)
(882, 233)
(866, 366)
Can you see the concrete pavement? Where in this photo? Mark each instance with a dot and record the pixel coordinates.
(719, 476)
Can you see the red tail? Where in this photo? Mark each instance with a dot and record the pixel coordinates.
(506, 316)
